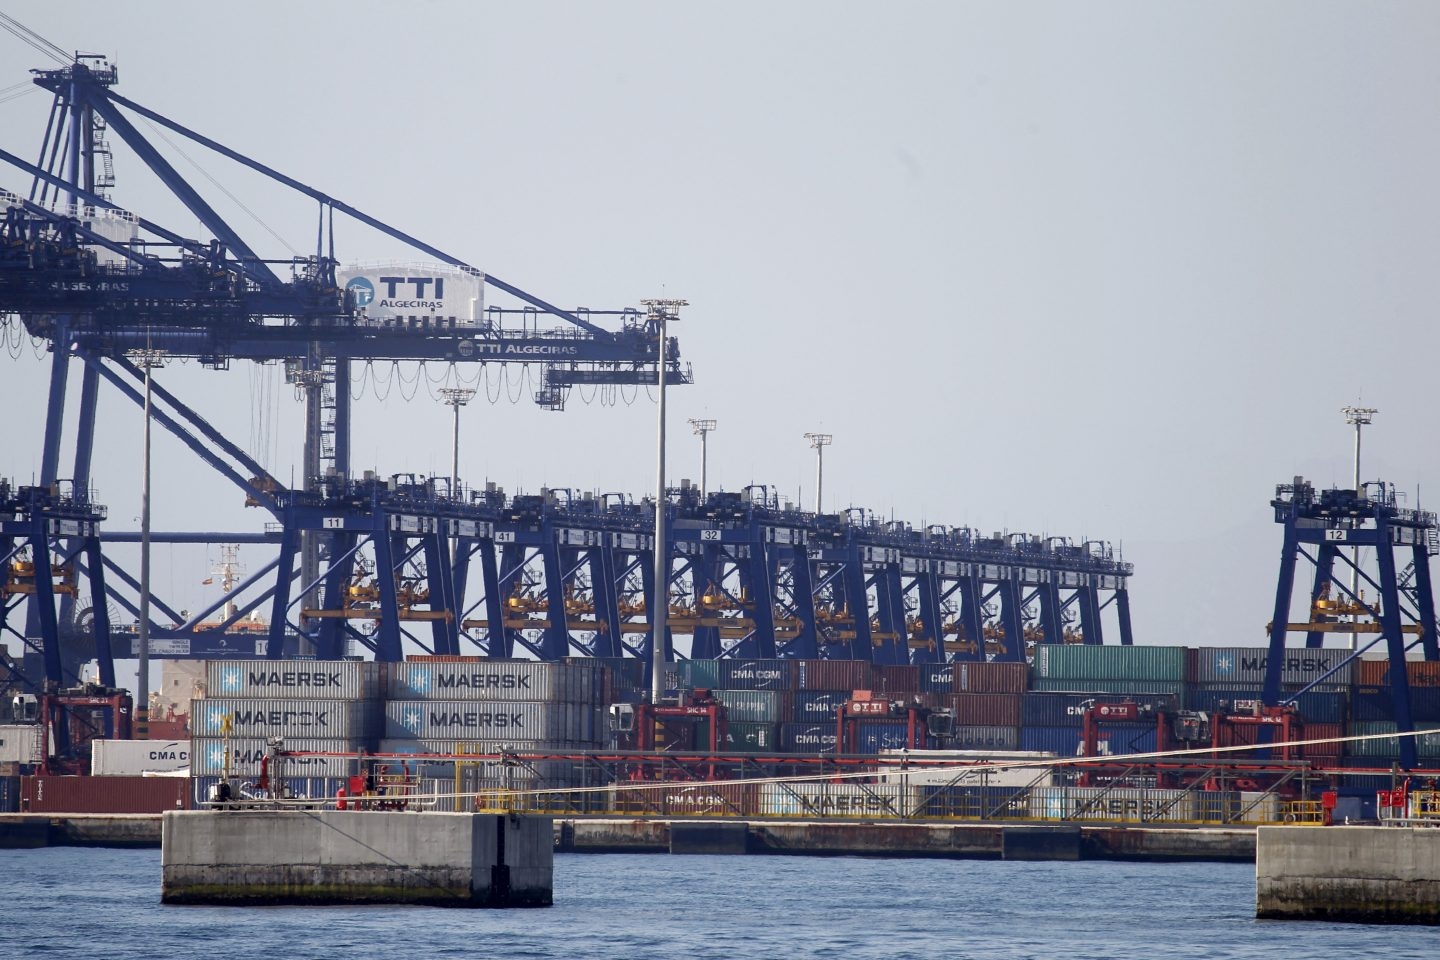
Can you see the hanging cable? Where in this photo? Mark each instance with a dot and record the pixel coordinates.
(39, 43)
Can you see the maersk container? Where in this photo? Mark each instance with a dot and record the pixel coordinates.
(750, 706)
(991, 677)
(1132, 805)
(303, 679)
(1247, 665)
(985, 738)
(833, 675)
(807, 737)
(1058, 661)
(972, 803)
(698, 674)
(1113, 739)
(313, 719)
(1317, 707)
(132, 758)
(1059, 709)
(207, 757)
(986, 709)
(832, 800)
(1111, 688)
(511, 722)
(817, 706)
(757, 675)
(499, 680)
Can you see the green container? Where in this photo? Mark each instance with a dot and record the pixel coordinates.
(1118, 688)
(702, 674)
(754, 737)
(750, 706)
(1426, 744)
(1054, 661)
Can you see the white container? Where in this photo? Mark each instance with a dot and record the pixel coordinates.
(1129, 805)
(503, 680)
(208, 757)
(308, 719)
(829, 800)
(503, 721)
(304, 679)
(19, 743)
(131, 758)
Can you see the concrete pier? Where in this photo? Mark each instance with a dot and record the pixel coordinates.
(335, 856)
(1359, 874)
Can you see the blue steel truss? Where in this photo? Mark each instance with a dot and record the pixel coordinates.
(1326, 522)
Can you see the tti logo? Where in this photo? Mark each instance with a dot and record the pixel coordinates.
(418, 283)
(363, 289)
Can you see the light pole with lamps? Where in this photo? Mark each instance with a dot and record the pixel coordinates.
(662, 311)
(148, 359)
(702, 430)
(1357, 417)
(455, 397)
(819, 441)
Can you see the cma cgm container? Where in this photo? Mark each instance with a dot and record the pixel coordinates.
(508, 680)
(807, 737)
(817, 706)
(1095, 662)
(309, 719)
(691, 800)
(757, 674)
(1061, 709)
(208, 757)
(490, 720)
(303, 679)
(1247, 665)
(131, 758)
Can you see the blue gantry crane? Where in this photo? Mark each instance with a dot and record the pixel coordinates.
(103, 287)
(389, 564)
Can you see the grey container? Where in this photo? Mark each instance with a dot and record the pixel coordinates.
(497, 680)
(1247, 665)
(501, 721)
(985, 738)
(305, 679)
(207, 757)
(306, 719)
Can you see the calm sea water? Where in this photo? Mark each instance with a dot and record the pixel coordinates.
(65, 902)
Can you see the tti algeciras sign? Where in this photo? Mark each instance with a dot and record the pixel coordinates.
(402, 291)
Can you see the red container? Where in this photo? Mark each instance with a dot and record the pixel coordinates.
(1322, 731)
(986, 709)
(991, 677)
(1421, 673)
(56, 794)
(892, 678)
(834, 675)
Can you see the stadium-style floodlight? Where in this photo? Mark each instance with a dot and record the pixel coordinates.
(661, 312)
(819, 441)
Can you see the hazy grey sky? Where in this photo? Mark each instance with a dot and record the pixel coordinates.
(1105, 270)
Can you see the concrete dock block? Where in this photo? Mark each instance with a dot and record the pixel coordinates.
(1040, 843)
(334, 856)
(711, 838)
(1359, 874)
